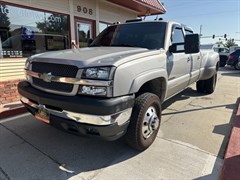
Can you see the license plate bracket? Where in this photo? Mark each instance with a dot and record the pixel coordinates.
(43, 114)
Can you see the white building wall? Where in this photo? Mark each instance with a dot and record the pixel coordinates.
(89, 5)
(110, 13)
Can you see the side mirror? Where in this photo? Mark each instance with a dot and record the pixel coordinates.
(89, 41)
(192, 43)
(176, 48)
(173, 48)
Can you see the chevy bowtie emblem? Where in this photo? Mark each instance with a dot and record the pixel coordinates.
(47, 77)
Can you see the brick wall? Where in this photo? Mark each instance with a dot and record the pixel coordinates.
(8, 91)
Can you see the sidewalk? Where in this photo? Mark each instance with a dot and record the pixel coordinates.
(11, 109)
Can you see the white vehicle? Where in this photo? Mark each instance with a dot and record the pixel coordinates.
(115, 87)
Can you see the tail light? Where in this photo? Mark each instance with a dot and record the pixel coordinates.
(231, 57)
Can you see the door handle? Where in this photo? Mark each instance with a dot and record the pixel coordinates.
(188, 59)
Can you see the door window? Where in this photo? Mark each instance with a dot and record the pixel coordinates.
(178, 37)
(84, 33)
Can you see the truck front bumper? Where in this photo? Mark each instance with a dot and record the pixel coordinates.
(107, 118)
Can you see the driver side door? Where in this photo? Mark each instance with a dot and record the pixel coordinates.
(178, 64)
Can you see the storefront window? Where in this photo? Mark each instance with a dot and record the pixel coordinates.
(24, 32)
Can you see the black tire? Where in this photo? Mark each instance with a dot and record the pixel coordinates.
(207, 86)
(210, 84)
(134, 136)
(200, 86)
(237, 65)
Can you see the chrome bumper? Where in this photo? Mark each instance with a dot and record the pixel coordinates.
(119, 117)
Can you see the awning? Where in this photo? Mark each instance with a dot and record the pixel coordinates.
(143, 7)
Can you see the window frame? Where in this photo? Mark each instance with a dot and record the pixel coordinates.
(176, 26)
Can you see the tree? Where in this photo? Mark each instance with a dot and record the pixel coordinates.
(4, 25)
(52, 25)
(230, 43)
(4, 19)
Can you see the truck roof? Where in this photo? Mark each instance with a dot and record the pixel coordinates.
(133, 21)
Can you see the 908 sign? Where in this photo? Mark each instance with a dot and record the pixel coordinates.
(85, 10)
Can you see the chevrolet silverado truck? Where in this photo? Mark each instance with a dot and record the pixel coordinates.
(115, 87)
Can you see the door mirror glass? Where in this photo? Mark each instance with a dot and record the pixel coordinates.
(192, 43)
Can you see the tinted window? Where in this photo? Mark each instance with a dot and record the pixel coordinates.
(146, 35)
(237, 52)
(24, 32)
(177, 36)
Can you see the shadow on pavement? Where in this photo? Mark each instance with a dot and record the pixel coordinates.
(186, 94)
(228, 106)
(68, 154)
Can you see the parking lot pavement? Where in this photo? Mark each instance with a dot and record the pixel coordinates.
(191, 143)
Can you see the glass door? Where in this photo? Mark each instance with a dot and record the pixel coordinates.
(84, 33)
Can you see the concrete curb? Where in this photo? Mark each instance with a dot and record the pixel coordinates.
(12, 112)
(231, 165)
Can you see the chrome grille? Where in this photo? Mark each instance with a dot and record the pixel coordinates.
(61, 70)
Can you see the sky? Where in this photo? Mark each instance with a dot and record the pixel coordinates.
(217, 17)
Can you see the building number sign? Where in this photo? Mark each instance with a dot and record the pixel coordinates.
(84, 10)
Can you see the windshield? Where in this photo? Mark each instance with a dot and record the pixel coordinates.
(148, 35)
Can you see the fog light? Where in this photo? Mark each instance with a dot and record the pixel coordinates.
(93, 90)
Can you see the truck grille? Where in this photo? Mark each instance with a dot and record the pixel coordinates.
(61, 70)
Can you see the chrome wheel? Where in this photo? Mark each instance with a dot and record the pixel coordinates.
(150, 122)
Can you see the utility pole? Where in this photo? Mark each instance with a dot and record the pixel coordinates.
(200, 30)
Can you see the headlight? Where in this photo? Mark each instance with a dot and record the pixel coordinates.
(103, 73)
(93, 90)
(97, 75)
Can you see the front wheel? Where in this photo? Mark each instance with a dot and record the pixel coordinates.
(145, 121)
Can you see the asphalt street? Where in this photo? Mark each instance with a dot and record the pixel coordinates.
(191, 143)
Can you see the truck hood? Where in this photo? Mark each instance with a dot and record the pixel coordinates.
(94, 56)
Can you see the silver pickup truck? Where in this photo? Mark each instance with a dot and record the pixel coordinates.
(115, 87)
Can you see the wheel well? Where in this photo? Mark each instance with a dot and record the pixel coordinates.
(156, 86)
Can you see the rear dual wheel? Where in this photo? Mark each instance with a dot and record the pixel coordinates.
(145, 121)
(207, 86)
